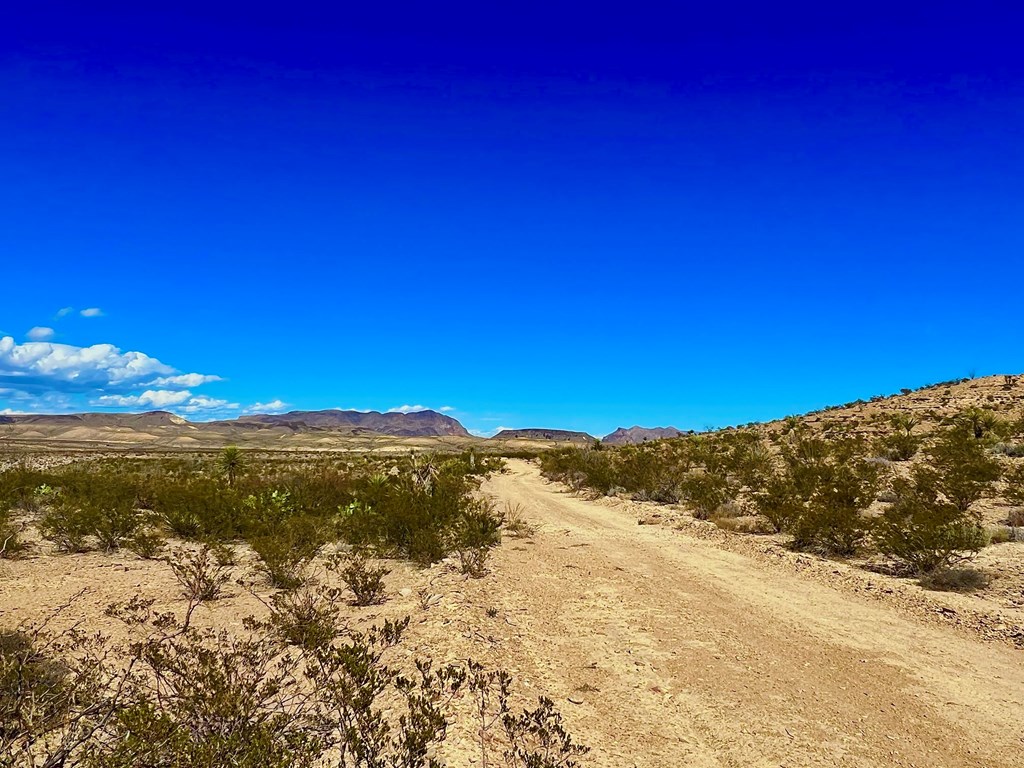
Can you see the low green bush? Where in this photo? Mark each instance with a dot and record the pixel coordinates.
(925, 530)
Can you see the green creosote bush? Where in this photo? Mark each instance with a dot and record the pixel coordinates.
(422, 515)
(705, 492)
(67, 526)
(285, 551)
(364, 581)
(307, 617)
(832, 521)
(477, 533)
(777, 502)
(965, 470)
(925, 530)
(147, 543)
(901, 444)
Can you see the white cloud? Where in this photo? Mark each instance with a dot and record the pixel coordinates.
(156, 398)
(202, 403)
(274, 406)
(40, 333)
(64, 312)
(408, 409)
(12, 412)
(446, 408)
(183, 380)
(91, 312)
(39, 366)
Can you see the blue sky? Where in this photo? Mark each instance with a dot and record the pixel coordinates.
(569, 215)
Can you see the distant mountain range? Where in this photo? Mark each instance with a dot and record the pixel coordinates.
(561, 435)
(161, 427)
(636, 435)
(416, 424)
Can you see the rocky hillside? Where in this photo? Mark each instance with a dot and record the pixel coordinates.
(930, 406)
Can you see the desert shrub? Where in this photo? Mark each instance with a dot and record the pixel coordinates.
(11, 544)
(201, 577)
(115, 525)
(205, 698)
(197, 507)
(981, 423)
(821, 493)
(477, 532)
(1015, 485)
(778, 503)
(91, 502)
(147, 543)
(965, 469)
(705, 492)
(54, 690)
(581, 468)
(954, 580)
(307, 617)
(419, 515)
(365, 581)
(531, 738)
(899, 446)
(925, 530)
(733, 517)
(284, 553)
(34, 688)
(538, 739)
(1000, 534)
(832, 521)
(358, 690)
(68, 526)
(176, 696)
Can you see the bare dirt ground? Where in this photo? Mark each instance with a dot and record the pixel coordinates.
(662, 647)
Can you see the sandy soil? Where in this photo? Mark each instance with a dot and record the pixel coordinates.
(662, 647)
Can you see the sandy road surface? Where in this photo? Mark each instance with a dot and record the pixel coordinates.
(681, 654)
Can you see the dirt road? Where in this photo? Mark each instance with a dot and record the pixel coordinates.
(666, 651)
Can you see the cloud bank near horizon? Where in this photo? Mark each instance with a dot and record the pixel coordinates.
(42, 376)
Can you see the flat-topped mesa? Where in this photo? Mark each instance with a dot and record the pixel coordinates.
(413, 424)
(637, 435)
(558, 435)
